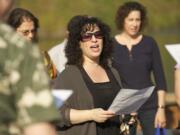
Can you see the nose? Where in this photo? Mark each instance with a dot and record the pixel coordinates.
(136, 22)
(30, 36)
(93, 38)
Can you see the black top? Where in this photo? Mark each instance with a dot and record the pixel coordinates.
(103, 95)
(135, 66)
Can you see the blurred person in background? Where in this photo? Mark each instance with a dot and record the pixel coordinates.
(135, 57)
(57, 54)
(22, 110)
(25, 23)
(93, 82)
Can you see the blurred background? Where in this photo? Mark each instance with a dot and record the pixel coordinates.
(163, 24)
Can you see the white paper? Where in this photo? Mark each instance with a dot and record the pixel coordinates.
(130, 100)
(61, 95)
(174, 50)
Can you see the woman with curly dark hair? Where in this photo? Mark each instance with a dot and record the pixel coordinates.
(135, 57)
(74, 52)
(93, 82)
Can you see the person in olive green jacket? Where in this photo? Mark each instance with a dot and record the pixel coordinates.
(26, 104)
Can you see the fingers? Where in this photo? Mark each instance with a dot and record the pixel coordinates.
(108, 113)
(100, 115)
(133, 113)
(161, 124)
(160, 120)
(105, 114)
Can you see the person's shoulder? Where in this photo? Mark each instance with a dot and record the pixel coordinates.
(148, 38)
(70, 70)
(116, 38)
(5, 28)
(58, 47)
(70, 73)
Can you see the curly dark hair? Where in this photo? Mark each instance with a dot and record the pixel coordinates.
(73, 51)
(124, 10)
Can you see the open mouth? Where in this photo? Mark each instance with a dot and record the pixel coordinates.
(95, 48)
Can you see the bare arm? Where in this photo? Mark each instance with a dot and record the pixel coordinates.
(160, 119)
(177, 85)
(99, 115)
(40, 129)
(161, 98)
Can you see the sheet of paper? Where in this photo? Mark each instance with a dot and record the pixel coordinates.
(61, 95)
(174, 50)
(130, 100)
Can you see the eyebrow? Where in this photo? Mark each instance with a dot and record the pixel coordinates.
(27, 30)
(93, 32)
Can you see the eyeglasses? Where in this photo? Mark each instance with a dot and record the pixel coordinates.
(27, 32)
(88, 36)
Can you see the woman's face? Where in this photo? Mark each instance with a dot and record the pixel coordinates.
(132, 23)
(27, 30)
(91, 44)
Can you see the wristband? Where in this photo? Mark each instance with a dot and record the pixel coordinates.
(161, 106)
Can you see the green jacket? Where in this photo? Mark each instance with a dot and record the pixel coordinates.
(25, 97)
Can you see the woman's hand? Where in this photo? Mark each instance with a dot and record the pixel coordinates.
(99, 115)
(160, 119)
